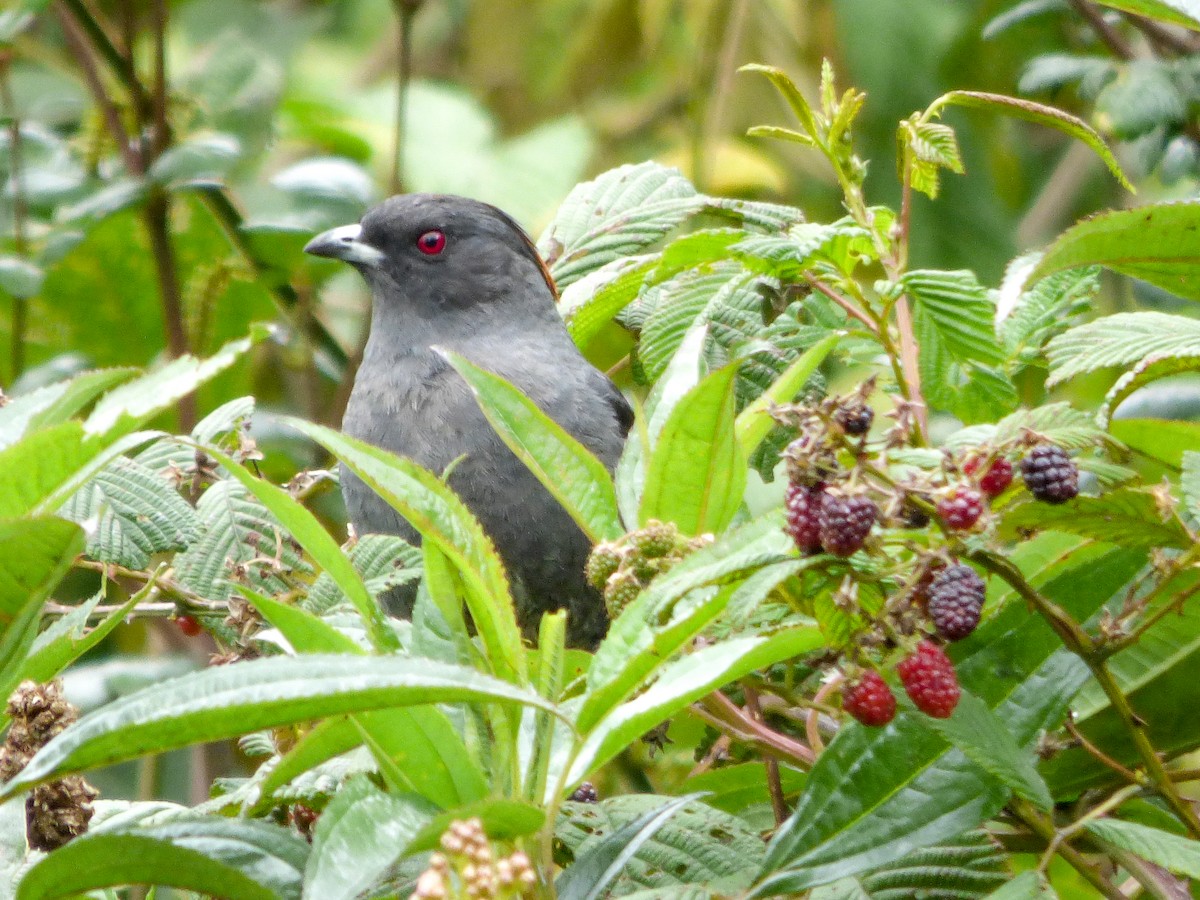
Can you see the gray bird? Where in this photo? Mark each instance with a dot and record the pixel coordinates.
(461, 275)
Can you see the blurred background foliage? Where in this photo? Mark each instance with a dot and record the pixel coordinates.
(247, 126)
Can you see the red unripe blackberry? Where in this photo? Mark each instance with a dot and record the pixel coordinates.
(856, 418)
(870, 700)
(961, 509)
(996, 479)
(1050, 474)
(955, 601)
(189, 625)
(845, 523)
(803, 505)
(929, 680)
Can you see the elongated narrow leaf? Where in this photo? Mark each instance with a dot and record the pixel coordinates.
(754, 422)
(216, 704)
(697, 471)
(1172, 852)
(234, 858)
(1042, 115)
(680, 683)
(1159, 244)
(1177, 12)
(55, 403)
(304, 631)
(442, 519)
(34, 555)
(359, 834)
(595, 870)
(568, 470)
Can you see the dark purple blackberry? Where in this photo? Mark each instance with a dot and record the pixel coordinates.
(803, 505)
(955, 601)
(1050, 474)
(845, 523)
(855, 418)
(585, 793)
(961, 509)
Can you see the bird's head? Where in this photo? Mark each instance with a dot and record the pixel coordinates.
(450, 249)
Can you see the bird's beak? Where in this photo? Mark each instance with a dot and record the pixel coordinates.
(343, 243)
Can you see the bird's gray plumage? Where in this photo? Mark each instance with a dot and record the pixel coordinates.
(487, 297)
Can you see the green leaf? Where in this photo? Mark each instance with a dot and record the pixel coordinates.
(1121, 340)
(1026, 886)
(1044, 310)
(503, 820)
(1128, 516)
(1177, 12)
(216, 704)
(614, 215)
(34, 556)
(697, 845)
(382, 560)
(55, 403)
(681, 682)
(959, 309)
(754, 422)
(967, 868)
(933, 147)
(442, 519)
(800, 107)
(1159, 244)
(596, 869)
(125, 408)
(567, 469)
(589, 304)
(1189, 482)
(1152, 368)
(202, 157)
(318, 543)
(697, 471)
(358, 835)
(1035, 112)
(1143, 96)
(1172, 852)
(305, 632)
(1160, 439)
(235, 858)
(982, 737)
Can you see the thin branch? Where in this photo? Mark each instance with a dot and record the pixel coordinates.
(851, 310)
(1162, 37)
(120, 62)
(723, 714)
(774, 784)
(1040, 825)
(1099, 755)
(1112, 38)
(20, 210)
(405, 11)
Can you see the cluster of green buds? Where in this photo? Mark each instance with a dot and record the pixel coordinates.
(621, 569)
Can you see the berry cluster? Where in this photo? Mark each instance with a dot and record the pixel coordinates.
(468, 868)
(842, 484)
(621, 569)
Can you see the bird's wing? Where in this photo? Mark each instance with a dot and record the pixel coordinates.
(620, 406)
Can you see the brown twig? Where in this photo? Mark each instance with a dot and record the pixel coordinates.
(723, 714)
(774, 785)
(851, 310)
(405, 11)
(1112, 38)
(1041, 825)
(1162, 37)
(1128, 774)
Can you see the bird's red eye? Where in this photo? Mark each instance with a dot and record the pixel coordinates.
(431, 243)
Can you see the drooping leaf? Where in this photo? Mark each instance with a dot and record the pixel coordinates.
(1128, 516)
(1121, 339)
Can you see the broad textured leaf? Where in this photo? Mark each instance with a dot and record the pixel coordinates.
(697, 845)
(1121, 340)
(136, 513)
(567, 469)
(1128, 516)
(589, 305)
(382, 560)
(1070, 428)
(234, 858)
(616, 214)
(1159, 244)
(216, 704)
(442, 519)
(754, 422)
(238, 531)
(967, 868)
(1152, 368)
(359, 834)
(1026, 886)
(697, 471)
(1172, 852)
(1160, 439)
(1045, 310)
(598, 867)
